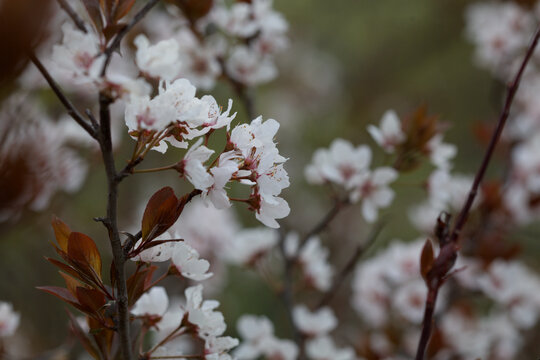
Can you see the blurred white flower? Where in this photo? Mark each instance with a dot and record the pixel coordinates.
(248, 67)
(249, 244)
(389, 134)
(155, 302)
(339, 164)
(160, 60)
(314, 259)
(258, 337)
(9, 319)
(317, 323)
(323, 348)
(372, 188)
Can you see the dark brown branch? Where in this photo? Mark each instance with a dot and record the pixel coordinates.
(79, 23)
(109, 51)
(449, 245)
(112, 226)
(349, 266)
(72, 111)
(128, 169)
(92, 118)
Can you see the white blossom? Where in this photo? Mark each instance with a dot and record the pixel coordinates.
(248, 67)
(9, 319)
(441, 153)
(193, 166)
(323, 348)
(250, 244)
(389, 134)
(317, 323)
(78, 57)
(160, 60)
(259, 340)
(372, 188)
(155, 302)
(339, 164)
(184, 257)
(314, 259)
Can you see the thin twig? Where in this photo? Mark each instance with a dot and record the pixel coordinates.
(109, 51)
(161, 168)
(449, 245)
(72, 111)
(73, 15)
(349, 266)
(112, 226)
(92, 119)
(325, 221)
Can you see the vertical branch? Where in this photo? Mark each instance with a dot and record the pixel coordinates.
(111, 222)
(449, 244)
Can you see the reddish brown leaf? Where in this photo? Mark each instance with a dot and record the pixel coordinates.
(420, 129)
(123, 8)
(60, 293)
(426, 259)
(102, 336)
(71, 283)
(194, 9)
(61, 232)
(160, 214)
(83, 337)
(83, 250)
(112, 29)
(90, 298)
(139, 282)
(65, 268)
(94, 11)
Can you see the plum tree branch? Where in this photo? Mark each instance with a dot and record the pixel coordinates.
(71, 109)
(449, 244)
(111, 222)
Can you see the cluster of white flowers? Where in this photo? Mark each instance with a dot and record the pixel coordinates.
(390, 283)
(238, 41)
(78, 61)
(176, 116)
(348, 167)
(194, 318)
(316, 326)
(258, 337)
